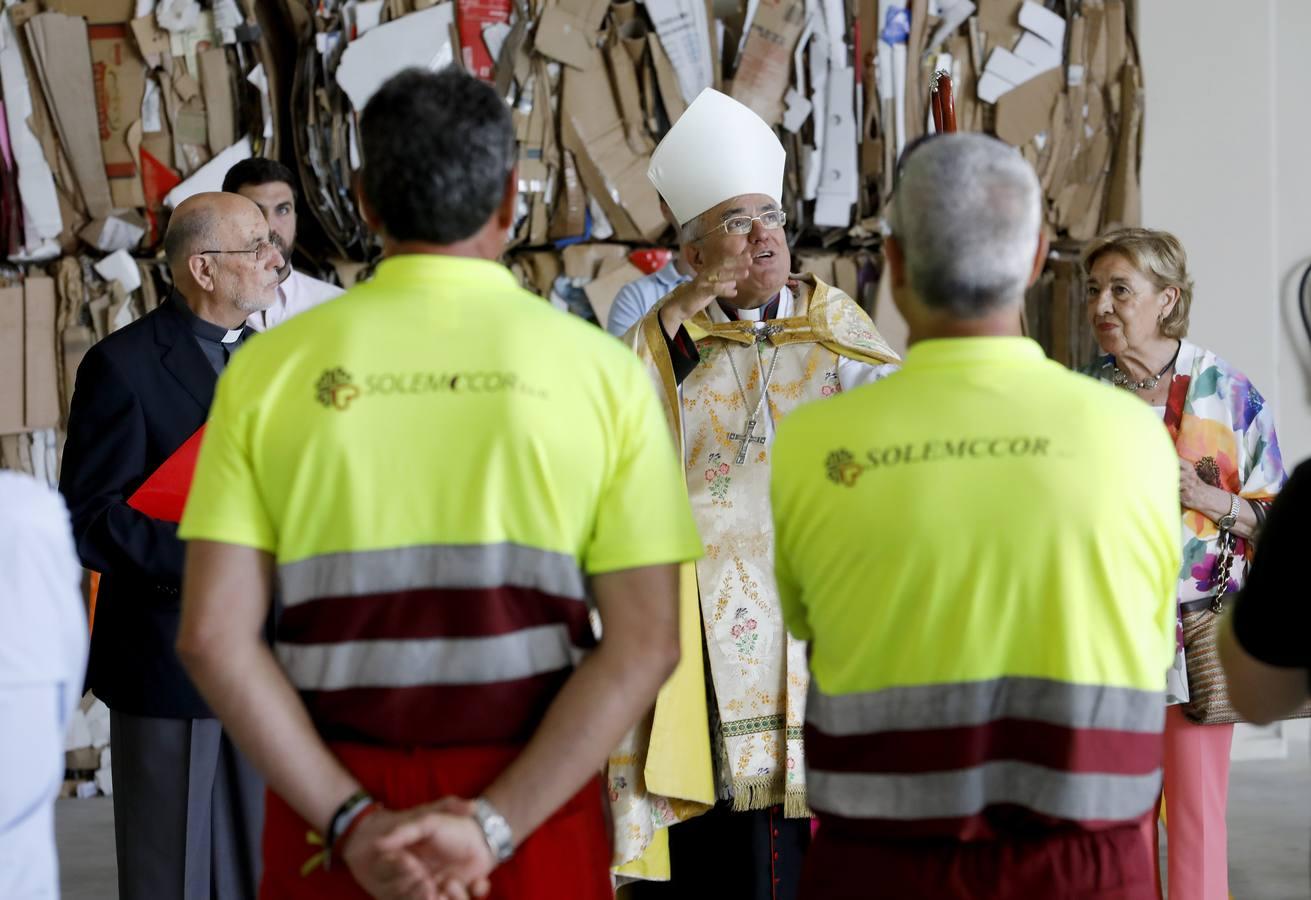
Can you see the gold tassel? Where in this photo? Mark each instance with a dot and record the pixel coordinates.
(757, 792)
(794, 804)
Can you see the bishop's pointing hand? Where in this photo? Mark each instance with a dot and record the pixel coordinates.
(718, 278)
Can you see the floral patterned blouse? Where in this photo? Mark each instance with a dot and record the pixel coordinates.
(1228, 433)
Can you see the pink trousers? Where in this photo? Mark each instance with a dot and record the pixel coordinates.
(1196, 798)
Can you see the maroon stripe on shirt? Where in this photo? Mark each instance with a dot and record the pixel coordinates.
(506, 712)
(998, 821)
(1020, 740)
(1111, 864)
(430, 613)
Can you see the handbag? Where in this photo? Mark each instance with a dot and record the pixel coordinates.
(1208, 696)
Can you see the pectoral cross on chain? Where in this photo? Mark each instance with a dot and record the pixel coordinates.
(746, 439)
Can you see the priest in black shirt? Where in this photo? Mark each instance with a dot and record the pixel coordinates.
(188, 809)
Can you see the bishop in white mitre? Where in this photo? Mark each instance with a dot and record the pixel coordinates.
(709, 794)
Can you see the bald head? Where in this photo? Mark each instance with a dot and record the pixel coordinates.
(219, 253)
(195, 225)
(189, 230)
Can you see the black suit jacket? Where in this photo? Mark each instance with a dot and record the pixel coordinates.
(140, 393)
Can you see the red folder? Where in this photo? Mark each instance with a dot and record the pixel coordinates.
(164, 494)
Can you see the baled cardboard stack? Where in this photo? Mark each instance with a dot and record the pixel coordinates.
(113, 116)
(595, 85)
(110, 117)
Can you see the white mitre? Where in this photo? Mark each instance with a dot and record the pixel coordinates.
(718, 149)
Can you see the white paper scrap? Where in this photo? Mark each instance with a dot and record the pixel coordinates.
(227, 16)
(952, 18)
(121, 267)
(368, 16)
(1043, 22)
(797, 112)
(1033, 49)
(681, 25)
(420, 39)
(151, 102)
(42, 221)
(991, 87)
(178, 15)
(119, 235)
(261, 82)
(209, 177)
(1009, 67)
(494, 36)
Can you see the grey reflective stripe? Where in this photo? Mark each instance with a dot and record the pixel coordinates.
(429, 661)
(923, 707)
(470, 566)
(949, 795)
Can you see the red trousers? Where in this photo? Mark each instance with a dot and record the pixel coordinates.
(1073, 865)
(567, 858)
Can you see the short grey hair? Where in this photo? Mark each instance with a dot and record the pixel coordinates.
(967, 213)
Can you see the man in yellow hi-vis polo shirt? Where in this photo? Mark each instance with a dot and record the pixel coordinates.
(981, 550)
(441, 474)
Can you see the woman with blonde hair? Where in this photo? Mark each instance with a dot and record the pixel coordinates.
(1139, 296)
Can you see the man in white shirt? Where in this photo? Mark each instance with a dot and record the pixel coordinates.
(42, 660)
(271, 186)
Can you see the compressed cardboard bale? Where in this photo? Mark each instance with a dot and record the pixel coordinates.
(766, 67)
(41, 372)
(60, 48)
(12, 399)
(119, 75)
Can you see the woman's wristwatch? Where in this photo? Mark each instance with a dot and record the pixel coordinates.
(1227, 522)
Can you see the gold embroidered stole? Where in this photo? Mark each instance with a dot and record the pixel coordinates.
(758, 671)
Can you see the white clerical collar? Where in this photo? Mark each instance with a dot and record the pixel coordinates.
(718, 316)
(782, 311)
(232, 337)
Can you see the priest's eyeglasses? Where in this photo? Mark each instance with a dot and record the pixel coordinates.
(263, 250)
(769, 220)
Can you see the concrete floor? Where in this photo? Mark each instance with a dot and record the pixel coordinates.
(1269, 834)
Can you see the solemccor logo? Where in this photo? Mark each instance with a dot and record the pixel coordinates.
(335, 389)
(842, 468)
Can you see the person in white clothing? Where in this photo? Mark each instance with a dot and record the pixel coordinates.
(42, 661)
(271, 186)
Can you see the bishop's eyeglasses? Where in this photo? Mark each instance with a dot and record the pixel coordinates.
(769, 220)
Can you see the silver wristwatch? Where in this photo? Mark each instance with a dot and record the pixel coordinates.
(495, 829)
(1229, 521)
